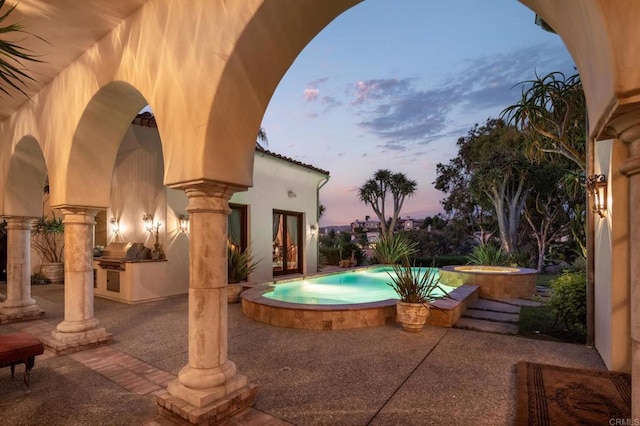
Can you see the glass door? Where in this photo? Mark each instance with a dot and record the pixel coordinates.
(287, 242)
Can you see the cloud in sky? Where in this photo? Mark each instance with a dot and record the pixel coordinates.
(312, 90)
(310, 94)
(400, 112)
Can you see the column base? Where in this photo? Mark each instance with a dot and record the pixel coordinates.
(2, 297)
(181, 412)
(67, 343)
(29, 313)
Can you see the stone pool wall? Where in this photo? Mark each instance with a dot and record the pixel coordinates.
(508, 283)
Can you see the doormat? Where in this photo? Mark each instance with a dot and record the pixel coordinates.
(551, 395)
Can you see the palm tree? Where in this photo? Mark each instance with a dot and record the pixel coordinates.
(12, 71)
(262, 136)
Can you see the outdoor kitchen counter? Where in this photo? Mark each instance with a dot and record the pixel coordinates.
(140, 281)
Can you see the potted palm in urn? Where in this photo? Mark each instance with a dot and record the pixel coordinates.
(240, 264)
(417, 291)
(47, 238)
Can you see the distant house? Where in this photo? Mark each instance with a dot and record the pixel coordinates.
(370, 229)
(276, 218)
(408, 224)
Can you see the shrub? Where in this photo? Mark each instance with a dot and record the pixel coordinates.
(488, 254)
(569, 301)
(520, 259)
(48, 239)
(391, 249)
(439, 261)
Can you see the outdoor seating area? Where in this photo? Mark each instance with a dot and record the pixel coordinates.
(379, 375)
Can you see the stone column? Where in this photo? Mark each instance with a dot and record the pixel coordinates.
(19, 305)
(627, 129)
(210, 378)
(79, 328)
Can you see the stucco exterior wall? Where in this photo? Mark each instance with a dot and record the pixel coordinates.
(273, 180)
(136, 189)
(612, 295)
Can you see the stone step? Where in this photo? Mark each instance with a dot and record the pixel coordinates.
(492, 305)
(518, 302)
(487, 326)
(492, 316)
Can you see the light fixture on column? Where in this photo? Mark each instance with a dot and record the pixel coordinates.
(115, 226)
(147, 218)
(597, 189)
(183, 222)
(314, 229)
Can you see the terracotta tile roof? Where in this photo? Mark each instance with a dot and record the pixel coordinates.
(146, 119)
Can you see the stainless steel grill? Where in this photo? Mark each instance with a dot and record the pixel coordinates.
(115, 255)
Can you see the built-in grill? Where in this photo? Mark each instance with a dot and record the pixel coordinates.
(115, 255)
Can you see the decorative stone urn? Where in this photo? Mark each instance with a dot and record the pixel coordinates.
(412, 316)
(54, 272)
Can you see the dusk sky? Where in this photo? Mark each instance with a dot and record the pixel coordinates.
(393, 85)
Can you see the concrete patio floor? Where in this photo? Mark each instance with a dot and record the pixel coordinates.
(378, 376)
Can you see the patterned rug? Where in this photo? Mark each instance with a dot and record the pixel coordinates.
(550, 395)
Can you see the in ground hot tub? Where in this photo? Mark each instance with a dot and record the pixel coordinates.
(495, 282)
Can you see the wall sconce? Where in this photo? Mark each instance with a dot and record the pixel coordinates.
(183, 222)
(148, 221)
(597, 188)
(292, 194)
(115, 226)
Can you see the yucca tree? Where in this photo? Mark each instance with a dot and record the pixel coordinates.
(375, 190)
(12, 71)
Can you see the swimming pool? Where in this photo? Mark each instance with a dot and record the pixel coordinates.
(334, 301)
(346, 288)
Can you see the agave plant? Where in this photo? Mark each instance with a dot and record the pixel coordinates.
(239, 264)
(391, 249)
(11, 69)
(412, 286)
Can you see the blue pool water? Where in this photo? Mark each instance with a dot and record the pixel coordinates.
(344, 288)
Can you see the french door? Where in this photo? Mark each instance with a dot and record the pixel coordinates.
(287, 242)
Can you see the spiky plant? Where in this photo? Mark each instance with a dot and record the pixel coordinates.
(488, 254)
(414, 287)
(393, 248)
(12, 70)
(239, 264)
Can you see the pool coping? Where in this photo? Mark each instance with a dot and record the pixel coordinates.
(445, 312)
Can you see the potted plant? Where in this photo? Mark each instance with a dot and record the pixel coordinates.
(48, 240)
(240, 264)
(417, 291)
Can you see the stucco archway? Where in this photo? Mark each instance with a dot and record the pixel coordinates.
(25, 180)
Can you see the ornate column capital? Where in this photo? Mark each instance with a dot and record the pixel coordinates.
(20, 223)
(625, 125)
(209, 196)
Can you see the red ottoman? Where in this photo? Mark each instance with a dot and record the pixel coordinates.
(20, 348)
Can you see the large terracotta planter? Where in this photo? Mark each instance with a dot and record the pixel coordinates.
(54, 272)
(412, 316)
